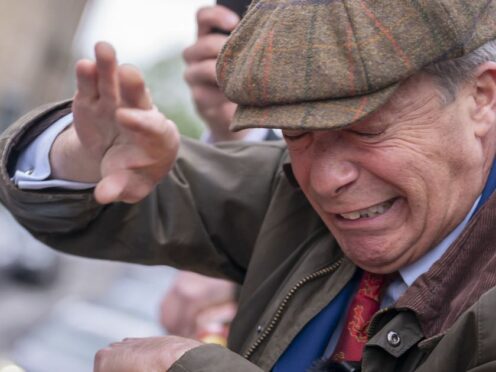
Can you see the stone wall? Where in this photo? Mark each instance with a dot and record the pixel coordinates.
(35, 52)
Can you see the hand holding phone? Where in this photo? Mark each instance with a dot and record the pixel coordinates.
(200, 74)
(237, 6)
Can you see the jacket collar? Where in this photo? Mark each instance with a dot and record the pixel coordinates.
(458, 279)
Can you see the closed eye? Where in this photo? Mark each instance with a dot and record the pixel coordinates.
(293, 135)
(364, 134)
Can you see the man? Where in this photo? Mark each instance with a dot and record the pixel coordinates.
(389, 117)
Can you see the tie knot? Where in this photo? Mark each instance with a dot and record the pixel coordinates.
(371, 285)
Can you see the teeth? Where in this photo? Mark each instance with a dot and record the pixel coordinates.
(373, 211)
(351, 215)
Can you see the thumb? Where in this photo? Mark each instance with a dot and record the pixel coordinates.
(111, 187)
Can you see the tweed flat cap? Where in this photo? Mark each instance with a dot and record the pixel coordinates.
(317, 64)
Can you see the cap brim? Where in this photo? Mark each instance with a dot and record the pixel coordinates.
(315, 115)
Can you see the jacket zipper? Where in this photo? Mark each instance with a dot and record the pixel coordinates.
(373, 323)
(283, 305)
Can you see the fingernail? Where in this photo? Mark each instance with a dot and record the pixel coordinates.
(233, 19)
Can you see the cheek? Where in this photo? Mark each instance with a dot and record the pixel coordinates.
(300, 167)
(406, 167)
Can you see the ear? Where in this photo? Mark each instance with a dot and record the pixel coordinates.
(484, 94)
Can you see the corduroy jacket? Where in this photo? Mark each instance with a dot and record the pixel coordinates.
(233, 211)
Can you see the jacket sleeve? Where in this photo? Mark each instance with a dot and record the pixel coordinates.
(212, 358)
(204, 216)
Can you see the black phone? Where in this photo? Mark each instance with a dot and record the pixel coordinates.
(238, 6)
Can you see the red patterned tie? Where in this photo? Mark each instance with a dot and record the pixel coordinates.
(363, 306)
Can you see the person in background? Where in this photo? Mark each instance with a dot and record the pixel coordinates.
(197, 306)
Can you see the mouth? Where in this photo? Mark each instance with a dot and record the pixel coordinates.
(370, 212)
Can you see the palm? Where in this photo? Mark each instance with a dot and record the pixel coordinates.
(133, 144)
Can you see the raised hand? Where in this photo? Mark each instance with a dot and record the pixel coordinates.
(119, 139)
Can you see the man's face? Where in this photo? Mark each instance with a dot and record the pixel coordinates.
(393, 185)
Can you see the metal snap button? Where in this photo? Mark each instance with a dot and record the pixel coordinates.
(259, 329)
(393, 338)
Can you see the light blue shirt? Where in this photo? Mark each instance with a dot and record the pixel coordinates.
(33, 166)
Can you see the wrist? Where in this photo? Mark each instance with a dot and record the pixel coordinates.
(70, 160)
(177, 348)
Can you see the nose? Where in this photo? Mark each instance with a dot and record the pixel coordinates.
(332, 168)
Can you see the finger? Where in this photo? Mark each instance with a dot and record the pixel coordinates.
(207, 47)
(106, 65)
(177, 315)
(183, 324)
(223, 313)
(213, 106)
(122, 186)
(209, 18)
(149, 127)
(207, 96)
(87, 79)
(220, 117)
(101, 359)
(110, 188)
(201, 73)
(132, 88)
(116, 344)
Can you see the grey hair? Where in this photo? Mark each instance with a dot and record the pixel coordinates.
(451, 74)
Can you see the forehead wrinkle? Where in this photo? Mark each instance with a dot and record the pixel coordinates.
(421, 110)
(411, 103)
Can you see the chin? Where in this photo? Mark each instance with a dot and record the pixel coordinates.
(373, 258)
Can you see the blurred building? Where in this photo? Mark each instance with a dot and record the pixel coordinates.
(37, 35)
(58, 310)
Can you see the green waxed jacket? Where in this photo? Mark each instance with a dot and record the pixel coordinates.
(233, 211)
